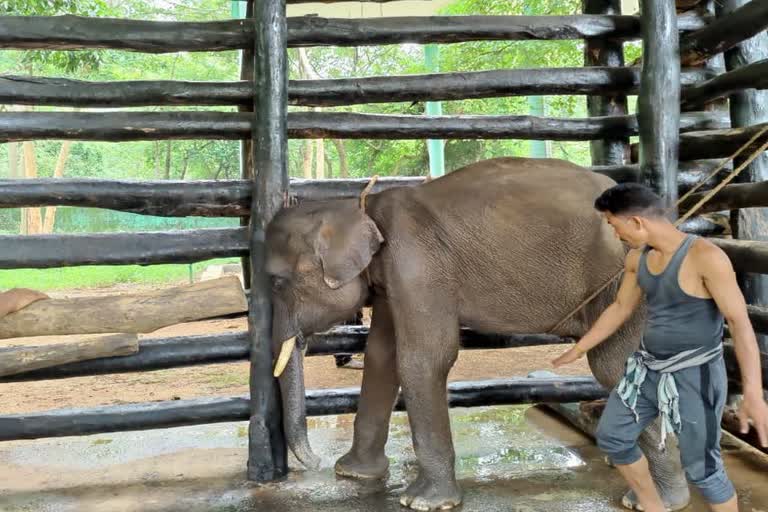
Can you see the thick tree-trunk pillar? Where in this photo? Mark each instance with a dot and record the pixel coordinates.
(601, 52)
(749, 107)
(658, 106)
(267, 451)
(246, 145)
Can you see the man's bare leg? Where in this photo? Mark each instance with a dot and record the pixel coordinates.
(639, 479)
(731, 505)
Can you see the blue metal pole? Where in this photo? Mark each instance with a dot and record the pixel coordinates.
(434, 108)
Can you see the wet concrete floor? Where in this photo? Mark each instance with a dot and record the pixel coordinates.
(508, 458)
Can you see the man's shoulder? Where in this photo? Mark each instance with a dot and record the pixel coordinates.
(632, 260)
(707, 255)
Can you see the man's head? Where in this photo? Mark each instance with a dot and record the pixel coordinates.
(631, 209)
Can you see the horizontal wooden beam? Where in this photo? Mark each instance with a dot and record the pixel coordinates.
(230, 198)
(731, 197)
(25, 90)
(719, 143)
(141, 248)
(724, 33)
(127, 126)
(176, 413)
(168, 198)
(75, 32)
(162, 353)
(751, 76)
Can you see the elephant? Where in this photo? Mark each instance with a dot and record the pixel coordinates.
(505, 245)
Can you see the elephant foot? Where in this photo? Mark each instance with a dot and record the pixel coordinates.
(367, 468)
(672, 500)
(424, 494)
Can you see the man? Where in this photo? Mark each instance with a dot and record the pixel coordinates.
(17, 299)
(678, 373)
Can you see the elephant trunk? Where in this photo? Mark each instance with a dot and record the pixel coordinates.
(294, 408)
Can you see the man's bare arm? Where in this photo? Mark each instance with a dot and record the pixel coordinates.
(720, 280)
(614, 316)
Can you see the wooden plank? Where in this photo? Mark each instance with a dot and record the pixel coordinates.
(130, 313)
(26, 359)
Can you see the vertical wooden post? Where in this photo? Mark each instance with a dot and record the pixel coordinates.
(267, 452)
(602, 52)
(749, 107)
(246, 146)
(658, 104)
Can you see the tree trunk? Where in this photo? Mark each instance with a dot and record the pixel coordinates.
(135, 313)
(58, 172)
(168, 160)
(33, 215)
(157, 153)
(342, 151)
(320, 159)
(24, 359)
(309, 145)
(13, 160)
(184, 166)
(328, 164)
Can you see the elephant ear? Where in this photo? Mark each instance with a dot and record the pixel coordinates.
(346, 242)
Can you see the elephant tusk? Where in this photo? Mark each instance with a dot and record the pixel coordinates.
(285, 355)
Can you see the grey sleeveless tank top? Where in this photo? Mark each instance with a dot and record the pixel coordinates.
(676, 321)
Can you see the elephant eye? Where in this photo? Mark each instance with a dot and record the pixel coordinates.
(278, 282)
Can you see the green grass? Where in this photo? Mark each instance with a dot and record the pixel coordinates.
(100, 276)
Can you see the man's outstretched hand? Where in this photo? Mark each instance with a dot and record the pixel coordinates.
(754, 408)
(568, 357)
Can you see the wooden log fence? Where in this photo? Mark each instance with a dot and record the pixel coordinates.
(751, 76)
(139, 248)
(176, 413)
(163, 353)
(75, 32)
(724, 33)
(184, 351)
(232, 198)
(188, 246)
(25, 90)
(132, 126)
(268, 92)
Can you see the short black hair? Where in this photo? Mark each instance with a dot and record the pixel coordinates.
(630, 199)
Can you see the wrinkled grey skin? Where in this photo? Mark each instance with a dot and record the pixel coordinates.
(487, 247)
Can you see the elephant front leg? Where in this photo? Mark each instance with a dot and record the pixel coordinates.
(427, 347)
(366, 459)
